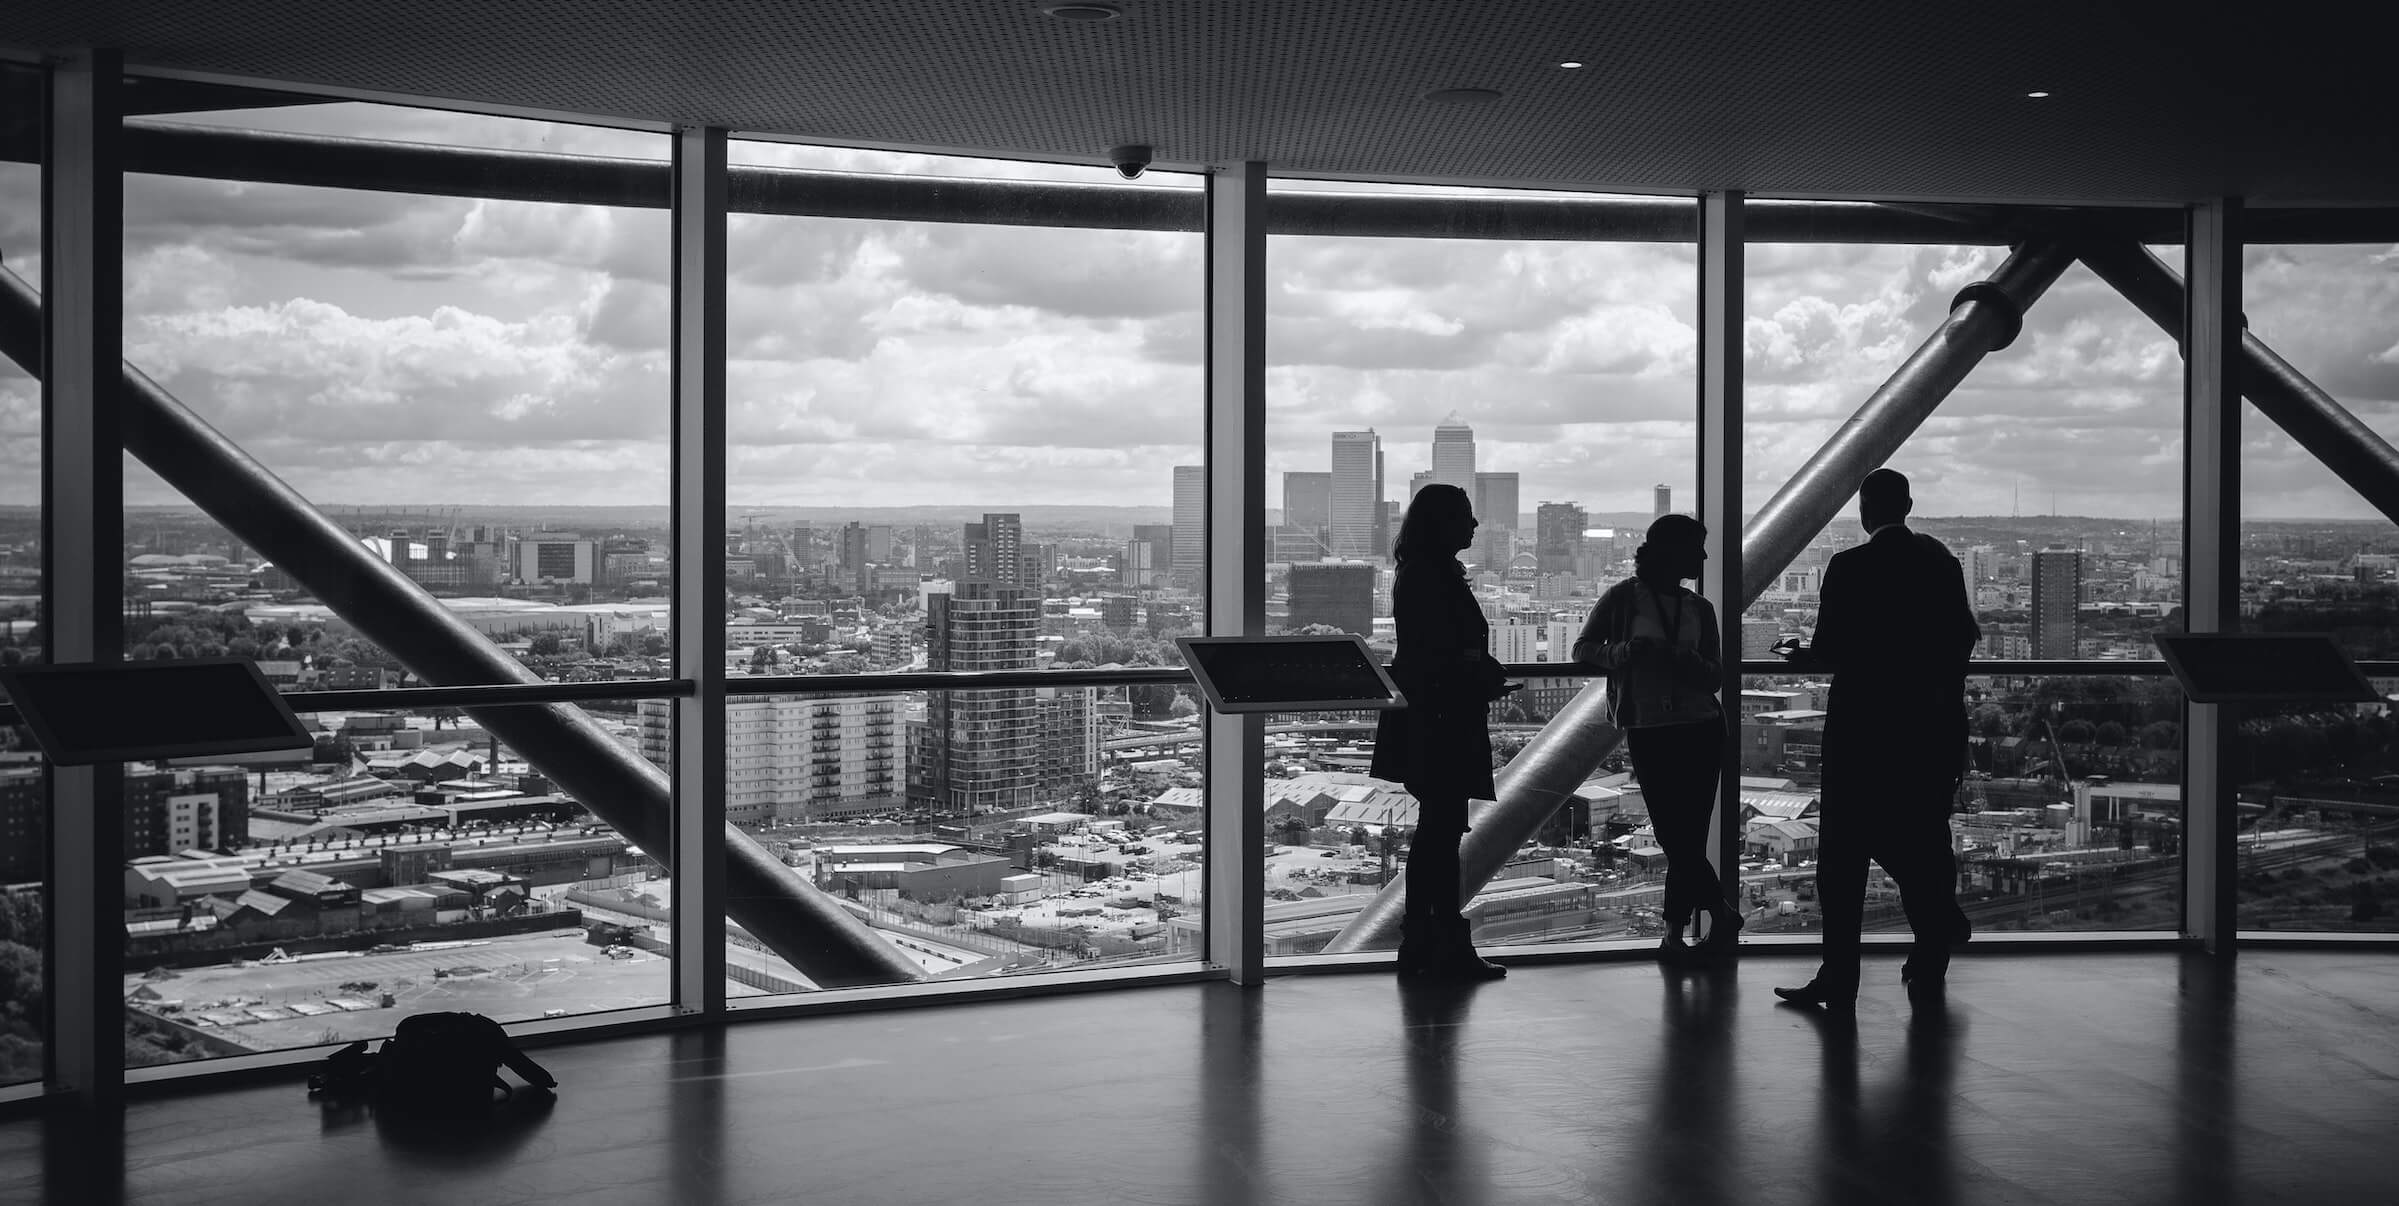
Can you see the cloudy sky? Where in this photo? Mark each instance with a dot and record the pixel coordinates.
(390, 349)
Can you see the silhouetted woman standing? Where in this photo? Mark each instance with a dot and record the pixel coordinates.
(1439, 746)
(1656, 641)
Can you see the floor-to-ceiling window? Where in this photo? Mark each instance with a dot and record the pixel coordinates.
(469, 389)
(2052, 472)
(24, 795)
(2318, 785)
(967, 440)
(1536, 350)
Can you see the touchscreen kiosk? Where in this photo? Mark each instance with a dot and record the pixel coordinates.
(1289, 674)
(122, 711)
(2231, 667)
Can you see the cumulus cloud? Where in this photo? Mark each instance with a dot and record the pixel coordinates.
(309, 372)
(1077, 273)
(395, 348)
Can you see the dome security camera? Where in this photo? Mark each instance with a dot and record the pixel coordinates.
(1131, 160)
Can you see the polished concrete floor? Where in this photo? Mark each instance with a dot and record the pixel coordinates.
(2081, 1078)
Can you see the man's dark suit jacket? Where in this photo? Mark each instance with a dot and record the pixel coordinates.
(1895, 628)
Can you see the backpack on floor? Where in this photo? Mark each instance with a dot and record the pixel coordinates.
(434, 1063)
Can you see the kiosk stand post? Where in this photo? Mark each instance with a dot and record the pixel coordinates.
(89, 719)
(1245, 679)
(1236, 900)
(2218, 672)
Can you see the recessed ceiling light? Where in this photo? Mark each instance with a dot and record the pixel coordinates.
(1082, 12)
(1461, 96)
(1570, 63)
(2036, 95)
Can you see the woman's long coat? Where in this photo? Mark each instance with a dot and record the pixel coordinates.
(1439, 746)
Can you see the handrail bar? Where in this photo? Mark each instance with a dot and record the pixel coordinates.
(969, 680)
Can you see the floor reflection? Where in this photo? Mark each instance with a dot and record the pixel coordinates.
(2206, 1124)
(453, 1142)
(1436, 1158)
(1892, 1143)
(1231, 1071)
(2108, 1077)
(83, 1155)
(697, 1118)
(1687, 1148)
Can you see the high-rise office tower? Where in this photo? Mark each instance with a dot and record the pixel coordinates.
(1340, 594)
(1661, 500)
(1516, 642)
(1495, 500)
(982, 747)
(800, 757)
(1558, 535)
(1417, 481)
(1308, 500)
(2056, 590)
(1387, 529)
(1191, 524)
(1357, 501)
(1307, 515)
(1494, 548)
(854, 553)
(1453, 454)
(1149, 555)
(995, 550)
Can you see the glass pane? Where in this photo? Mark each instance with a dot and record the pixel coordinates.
(1336, 834)
(1554, 382)
(2052, 471)
(24, 796)
(475, 390)
(1077, 841)
(2319, 785)
(2071, 818)
(411, 862)
(929, 409)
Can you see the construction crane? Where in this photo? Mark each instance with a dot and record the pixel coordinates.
(750, 532)
(2161, 831)
(2057, 752)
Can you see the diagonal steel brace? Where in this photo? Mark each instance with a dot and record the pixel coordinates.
(1985, 317)
(795, 920)
(2353, 451)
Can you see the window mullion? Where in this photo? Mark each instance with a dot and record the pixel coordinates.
(1236, 567)
(698, 858)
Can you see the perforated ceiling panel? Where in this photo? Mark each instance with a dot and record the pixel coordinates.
(1871, 98)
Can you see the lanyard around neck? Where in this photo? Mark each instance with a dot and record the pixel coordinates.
(1673, 624)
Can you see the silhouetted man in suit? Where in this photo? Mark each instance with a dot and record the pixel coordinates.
(1895, 628)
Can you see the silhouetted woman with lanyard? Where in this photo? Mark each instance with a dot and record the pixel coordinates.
(1439, 746)
(1656, 641)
